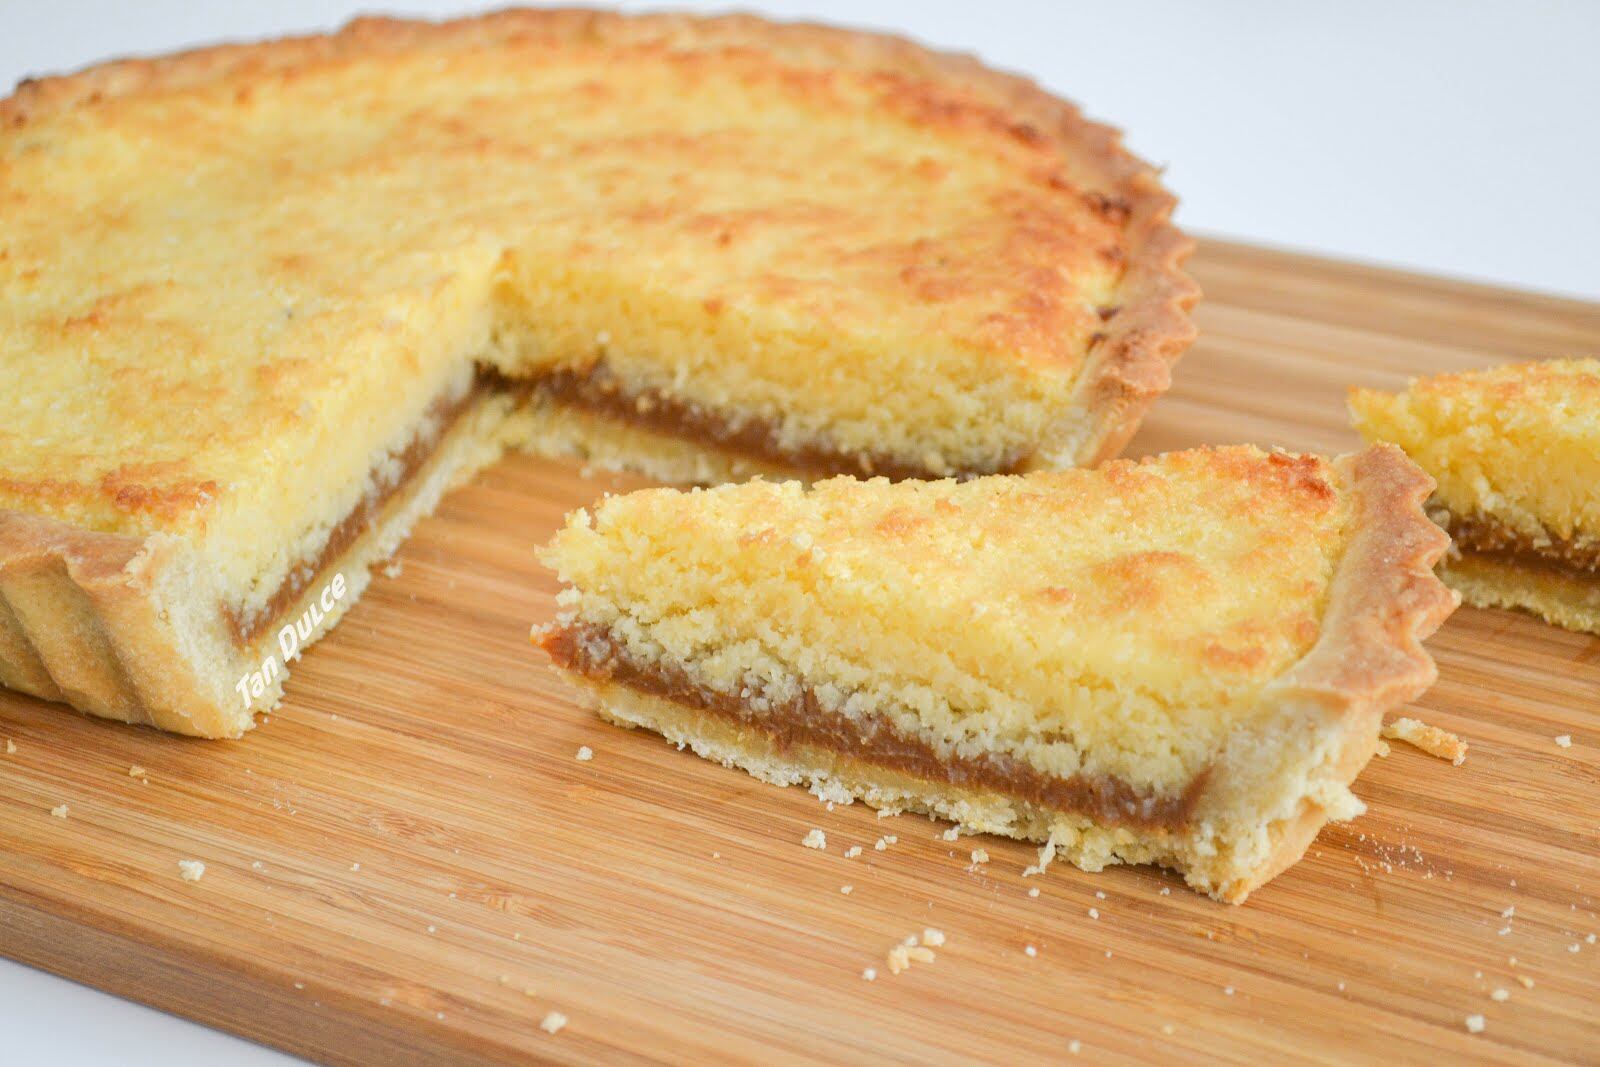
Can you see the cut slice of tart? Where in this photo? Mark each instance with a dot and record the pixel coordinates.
(259, 303)
(1181, 661)
(1515, 451)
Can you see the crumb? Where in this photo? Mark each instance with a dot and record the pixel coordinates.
(1047, 853)
(1227, 990)
(1074, 1046)
(1341, 987)
(1430, 739)
(357, 867)
(1382, 751)
(933, 937)
(1030, 950)
(1564, 741)
(1527, 983)
(1034, 891)
(815, 839)
(1094, 913)
(137, 771)
(1590, 939)
(392, 569)
(432, 929)
(870, 975)
(980, 855)
(716, 855)
(585, 754)
(505, 979)
(1574, 947)
(852, 852)
(255, 865)
(552, 1023)
(191, 870)
(1099, 894)
(1166, 890)
(59, 811)
(1500, 994)
(11, 747)
(882, 844)
(1511, 909)
(952, 833)
(1168, 1029)
(1503, 931)
(1475, 1024)
(846, 889)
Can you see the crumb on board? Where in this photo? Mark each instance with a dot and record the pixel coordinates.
(60, 811)
(931, 936)
(901, 956)
(1030, 951)
(815, 839)
(980, 855)
(585, 754)
(11, 747)
(952, 833)
(1382, 751)
(1563, 740)
(1430, 739)
(870, 974)
(1094, 913)
(1527, 983)
(847, 889)
(191, 870)
(553, 1022)
(1074, 1046)
(1034, 891)
(137, 771)
(1500, 995)
(852, 852)
(1047, 853)
(1475, 1024)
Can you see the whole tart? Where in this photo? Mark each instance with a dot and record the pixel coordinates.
(1181, 661)
(1515, 450)
(261, 304)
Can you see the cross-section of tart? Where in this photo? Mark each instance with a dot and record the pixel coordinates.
(1180, 661)
(259, 304)
(1516, 453)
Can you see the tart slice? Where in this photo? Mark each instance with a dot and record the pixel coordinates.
(1180, 661)
(1516, 454)
(259, 304)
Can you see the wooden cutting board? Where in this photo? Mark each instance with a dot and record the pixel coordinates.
(407, 863)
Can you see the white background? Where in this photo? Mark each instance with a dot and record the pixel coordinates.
(1459, 138)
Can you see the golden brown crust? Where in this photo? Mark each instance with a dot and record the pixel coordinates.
(1384, 601)
(1144, 333)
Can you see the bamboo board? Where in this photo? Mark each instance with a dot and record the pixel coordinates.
(408, 863)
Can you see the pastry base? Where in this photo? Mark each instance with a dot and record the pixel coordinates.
(1571, 601)
(135, 630)
(839, 778)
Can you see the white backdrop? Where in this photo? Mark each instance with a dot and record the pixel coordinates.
(1456, 137)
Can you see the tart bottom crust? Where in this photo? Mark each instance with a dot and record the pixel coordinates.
(1566, 599)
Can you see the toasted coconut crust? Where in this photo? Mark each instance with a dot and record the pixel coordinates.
(1132, 357)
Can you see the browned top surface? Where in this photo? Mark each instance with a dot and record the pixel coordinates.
(666, 905)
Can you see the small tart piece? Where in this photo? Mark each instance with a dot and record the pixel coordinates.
(1515, 451)
(1182, 661)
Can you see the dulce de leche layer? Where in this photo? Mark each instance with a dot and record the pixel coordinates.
(595, 653)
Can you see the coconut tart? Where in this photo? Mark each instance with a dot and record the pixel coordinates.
(1516, 453)
(1181, 661)
(261, 304)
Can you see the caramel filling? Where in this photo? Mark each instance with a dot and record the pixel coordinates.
(441, 416)
(599, 391)
(1489, 537)
(595, 653)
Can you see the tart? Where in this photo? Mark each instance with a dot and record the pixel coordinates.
(1181, 661)
(1516, 453)
(260, 304)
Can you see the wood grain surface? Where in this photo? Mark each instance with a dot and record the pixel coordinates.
(407, 863)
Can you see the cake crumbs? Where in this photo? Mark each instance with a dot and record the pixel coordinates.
(11, 747)
(1074, 1046)
(191, 870)
(585, 754)
(951, 834)
(137, 771)
(883, 843)
(852, 852)
(980, 855)
(1047, 853)
(1166, 890)
(1030, 951)
(931, 936)
(847, 889)
(1527, 983)
(1430, 739)
(1227, 990)
(1563, 740)
(553, 1023)
(1500, 995)
(1475, 1024)
(1034, 891)
(60, 811)
(870, 974)
(1094, 913)
(815, 839)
